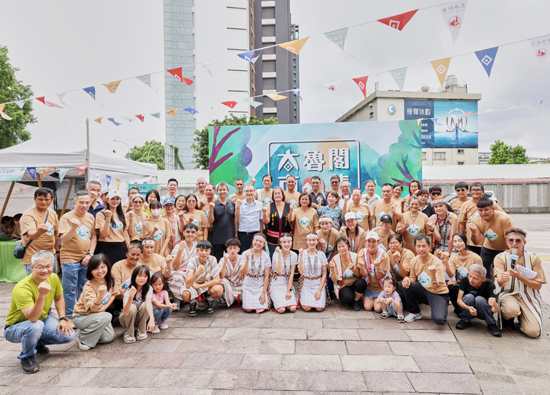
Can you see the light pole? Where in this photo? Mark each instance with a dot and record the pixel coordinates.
(150, 152)
(128, 154)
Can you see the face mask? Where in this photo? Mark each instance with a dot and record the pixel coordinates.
(156, 212)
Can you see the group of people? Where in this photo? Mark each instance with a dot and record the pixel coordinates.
(11, 227)
(137, 263)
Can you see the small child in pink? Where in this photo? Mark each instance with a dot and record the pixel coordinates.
(162, 308)
(391, 305)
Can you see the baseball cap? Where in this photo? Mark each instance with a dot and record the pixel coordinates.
(104, 191)
(386, 217)
(372, 235)
(169, 200)
(113, 194)
(349, 215)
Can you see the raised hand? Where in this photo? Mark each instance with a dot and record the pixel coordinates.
(319, 200)
(278, 250)
(200, 270)
(44, 288)
(322, 241)
(473, 227)
(181, 214)
(42, 228)
(169, 259)
(102, 290)
(397, 255)
(74, 223)
(252, 181)
(239, 202)
(108, 214)
(212, 205)
(132, 292)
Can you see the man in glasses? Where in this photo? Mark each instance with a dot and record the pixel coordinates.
(461, 189)
(94, 189)
(28, 321)
(520, 277)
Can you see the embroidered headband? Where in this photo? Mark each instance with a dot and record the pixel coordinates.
(312, 236)
(515, 234)
(148, 242)
(259, 238)
(286, 238)
(325, 219)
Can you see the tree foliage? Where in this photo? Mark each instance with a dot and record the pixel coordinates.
(11, 89)
(200, 155)
(154, 151)
(503, 154)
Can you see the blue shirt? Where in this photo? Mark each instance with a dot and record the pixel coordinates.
(251, 215)
(96, 210)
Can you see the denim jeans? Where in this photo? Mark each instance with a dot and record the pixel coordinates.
(161, 315)
(74, 278)
(28, 269)
(30, 334)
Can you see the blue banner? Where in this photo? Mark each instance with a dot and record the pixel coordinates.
(487, 58)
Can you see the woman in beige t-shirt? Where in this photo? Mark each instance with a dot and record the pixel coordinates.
(111, 225)
(304, 220)
(412, 223)
(197, 217)
(159, 229)
(155, 262)
(136, 218)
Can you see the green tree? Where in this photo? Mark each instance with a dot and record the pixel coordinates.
(11, 89)
(201, 156)
(503, 154)
(153, 152)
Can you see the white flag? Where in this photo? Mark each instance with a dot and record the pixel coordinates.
(61, 97)
(453, 15)
(252, 102)
(541, 46)
(62, 172)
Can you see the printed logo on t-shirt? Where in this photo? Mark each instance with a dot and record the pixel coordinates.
(293, 202)
(458, 212)
(359, 216)
(126, 284)
(348, 273)
(424, 279)
(491, 235)
(158, 235)
(117, 226)
(413, 229)
(83, 232)
(106, 298)
(380, 215)
(206, 213)
(329, 248)
(474, 215)
(138, 227)
(267, 201)
(396, 269)
(50, 229)
(382, 247)
(195, 222)
(305, 221)
(462, 272)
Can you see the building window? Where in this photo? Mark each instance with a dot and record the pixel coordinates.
(461, 163)
(423, 156)
(460, 152)
(439, 155)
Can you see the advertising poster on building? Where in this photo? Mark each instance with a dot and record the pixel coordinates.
(445, 123)
(355, 151)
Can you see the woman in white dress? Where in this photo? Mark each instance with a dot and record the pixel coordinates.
(230, 274)
(313, 269)
(183, 253)
(255, 267)
(281, 290)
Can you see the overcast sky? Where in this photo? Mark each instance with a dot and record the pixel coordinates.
(62, 45)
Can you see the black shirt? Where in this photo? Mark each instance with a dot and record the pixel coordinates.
(322, 195)
(223, 227)
(487, 288)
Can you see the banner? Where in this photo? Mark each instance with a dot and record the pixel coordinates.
(156, 114)
(487, 58)
(362, 84)
(294, 46)
(118, 184)
(332, 86)
(191, 110)
(143, 188)
(47, 103)
(146, 79)
(108, 178)
(114, 122)
(32, 172)
(255, 104)
(398, 21)
(90, 91)
(12, 173)
(81, 169)
(62, 172)
(541, 46)
(172, 112)
(230, 104)
(20, 103)
(441, 67)
(177, 72)
(45, 171)
(338, 37)
(249, 56)
(65, 105)
(98, 120)
(297, 93)
(453, 15)
(5, 116)
(399, 77)
(141, 117)
(112, 86)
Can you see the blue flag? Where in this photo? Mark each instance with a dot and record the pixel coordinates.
(113, 121)
(191, 110)
(249, 56)
(487, 58)
(108, 180)
(32, 172)
(295, 91)
(90, 91)
(537, 103)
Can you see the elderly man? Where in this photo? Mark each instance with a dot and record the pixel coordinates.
(426, 283)
(345, 189)
(520, 277)
(317, 192)
(476, 296)
(28, 321)
(94, 189)
(249, 215)
(222, 218)
(292, 196)
(239, 195)
(201, 194)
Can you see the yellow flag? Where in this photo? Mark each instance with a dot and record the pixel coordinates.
(2, 107)
(98, 120)
(45, 171)
(294, 46)
(112, 86)
(117, 184)
(173, 112)
(441, 67)
(276, 97)
(516, 106)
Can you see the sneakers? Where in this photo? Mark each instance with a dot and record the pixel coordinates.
(209, 306)
(163, 326)
(29, 365)
(509, 324)
(463, 324)
(222, 302)
(413, 317)
(400, 318)
(494, 330)
(156, 330)
(82, 346)
(193, 308)
(129, 338)
(142, 336)
(356, 305)
(42, 350)
(384, 314)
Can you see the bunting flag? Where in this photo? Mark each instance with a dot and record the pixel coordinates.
(399, 77)
(249, 56)
(294, 46)
(453, 15)
(117, 184)
(276, 97)
(112, 86)
(114, 122)
(172, 112)
(511, 108)
(487, 58)
(177, 72)
(98, 120)
(62, 172)
(208, 67)
(108, 177)
(47, 103)
(32, 172)
(441, 67)
(332, 86)
(537, 103)
(338, 37)
(130, 119)
(81, 169)
(20, 103)
(362, 84)
(5, 116)
(210, 107)
(45, 171)
(230, 104)
(296, 92)
(156, 114)
(65, 105)
(146, 79)
(90, 91)
(251, 102)
(191, 110)
(141, 117)
(398, 21)
(541, 46)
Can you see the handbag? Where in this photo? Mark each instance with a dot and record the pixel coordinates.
(20, 249)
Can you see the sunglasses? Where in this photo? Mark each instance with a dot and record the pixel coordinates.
(476, 190)
(514, 241)
(461, 190)
(436, 193)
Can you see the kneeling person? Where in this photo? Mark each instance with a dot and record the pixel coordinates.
(230, 274)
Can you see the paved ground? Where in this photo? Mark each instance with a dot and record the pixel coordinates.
(336, 351)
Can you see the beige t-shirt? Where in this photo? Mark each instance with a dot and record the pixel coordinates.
(294, 196)
(121, 272)
(79, 245)
(156, 261)
(381, 208)
(89, 295)
(346, 281)
(199, 219)
(456, 204)
(494, 230)
(160, 236)
(383, 239)
(419, 225)
(206, 210)
(374, 284)
(234, 197)
(362, 214)
(330, 240)
(357, 240)
(418, 272)
(406, 257)
(116, 232)
(461, 265)
(500, 266)
(30, 220)
(304, 222)
(468, 212)
(137, 224)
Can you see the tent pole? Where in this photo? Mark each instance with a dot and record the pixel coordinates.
(87, 151)
(39, 180)
(67, 197)
(7, 199)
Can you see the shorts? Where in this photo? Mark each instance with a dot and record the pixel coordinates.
(371, 294)
(391, 311)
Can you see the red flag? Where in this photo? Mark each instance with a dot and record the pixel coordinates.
(398, 21)
(81, 169)
(47, 103)
(230, 104)
(140, 117)
(362, 84)
(177, 72)
(42, 99)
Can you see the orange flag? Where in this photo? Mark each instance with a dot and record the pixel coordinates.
(98, 120)
(45, 171)
(294, 46)
(112, 86)
(441, 67)
(173, 112)
(276, 97)
(117, 184)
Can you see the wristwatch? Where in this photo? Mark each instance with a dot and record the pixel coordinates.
(290, 289)
(64, 318)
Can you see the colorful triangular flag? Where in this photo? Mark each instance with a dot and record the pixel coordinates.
(47, 103)
(398, 21)
(249, 56)
(118, 184)
(511, 108)
(453, 15)
(81, 169)
(20, 103)
(112, 86)
(294, 46)
(178, 73)
(108, 177)
(146, 79)
(156, 114)
(250, 101)
(276, 97)
(42, 99)
(441, 68)
(230, 104)
(537, 103)
(62, 172)
(32, 172)
(487, 58)
(297, 93)
(399, 77)
(141, 117)
(113, 121)
(191, 110)
(45, 171)
(210, 107)
(65, 105)
(90, 91)
(172, 112)
(98, 120)
(362, 84)
(5, 116)
(338, 37)
(541, 46)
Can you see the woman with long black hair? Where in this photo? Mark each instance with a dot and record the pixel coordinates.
(112, 229)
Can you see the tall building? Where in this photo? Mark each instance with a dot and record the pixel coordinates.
(449, 126)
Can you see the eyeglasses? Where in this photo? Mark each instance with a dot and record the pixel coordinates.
(514, 241)
(461, 190)
(40, 268)
(335, 182)
(476, 190)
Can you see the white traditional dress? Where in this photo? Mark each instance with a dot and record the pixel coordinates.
(253, 283)
(233, 281)
(311, 279)
(278, 285)
(211, 270)
(176, 281)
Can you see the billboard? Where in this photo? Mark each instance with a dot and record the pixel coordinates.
(445, 123)
(355, 151)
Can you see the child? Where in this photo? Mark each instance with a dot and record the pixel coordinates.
(255, 266)
(230, 275)
(138, 306)
(281, 291)
(162, 308)
(203, 276)
(313, 268)
(16, 232)
(391, 305)
(183, 253)
(158, 228)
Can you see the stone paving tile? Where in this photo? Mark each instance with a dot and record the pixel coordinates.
(321, 347)
(348, 313)
(298, 323)
(340, 323)
(182, 378)
(233, 379)
(383, 335)
(240, 333)
(245, 392)
(284, 334)
(15, 376)
(254, 346)
(198, 322)
(212, 361)
(188, 345)
(388, 382)
(161, 345)
(310, 381)
(311, 362)
(368, 348)
(68, 359)
(197, 333)
(379, 363)
(162, 391)
(112, 360)
(77, 377)
(262, 361)
(252, 322)
(327, 313)
(380, 324)
(163, 360)
(441, 382)
(332, 334)
(426, 335)
(499, 388)
(426, 324)
(123, 377)
(437, 364)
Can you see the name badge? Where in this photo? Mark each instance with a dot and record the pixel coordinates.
(413, 229)
(424, 279)
(83, 232)
(491, 235)
(462, 272)
(396, 269)
(158, 235)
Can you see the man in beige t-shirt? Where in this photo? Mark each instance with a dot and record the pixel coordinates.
(291, 195)
(35, 228)
(386, 206)
(78, 242)
(461, 189)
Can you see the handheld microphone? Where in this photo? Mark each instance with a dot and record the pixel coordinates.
(514, 257)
